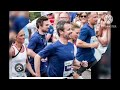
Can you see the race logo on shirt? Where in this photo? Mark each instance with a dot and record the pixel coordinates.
(19, 67)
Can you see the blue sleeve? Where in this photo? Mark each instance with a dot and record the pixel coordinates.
(51, 30)
(83, 34)
(32, 43)
(47, 51)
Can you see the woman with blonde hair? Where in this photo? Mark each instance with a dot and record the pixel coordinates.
(18, 58)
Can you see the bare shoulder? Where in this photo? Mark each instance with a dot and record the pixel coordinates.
(12, 51)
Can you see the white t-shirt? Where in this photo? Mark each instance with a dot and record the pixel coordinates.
(100, 50)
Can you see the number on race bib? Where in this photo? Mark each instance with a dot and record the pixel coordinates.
(67, 68)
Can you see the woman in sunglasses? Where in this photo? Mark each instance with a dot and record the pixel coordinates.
(81, 18)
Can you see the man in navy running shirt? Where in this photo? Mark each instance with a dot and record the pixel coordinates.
(38, 42)
(60, 54)
(86, 41)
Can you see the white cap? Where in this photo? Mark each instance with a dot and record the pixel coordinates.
(45, 13)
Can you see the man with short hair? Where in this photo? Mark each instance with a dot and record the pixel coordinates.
(86, 41)
(38, 42)
(60, 54)
(33, 28)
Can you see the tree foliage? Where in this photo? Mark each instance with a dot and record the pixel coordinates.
(34, 15)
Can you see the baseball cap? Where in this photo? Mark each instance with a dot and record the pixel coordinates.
(45, 13)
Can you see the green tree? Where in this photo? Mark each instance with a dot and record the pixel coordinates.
(34, 15)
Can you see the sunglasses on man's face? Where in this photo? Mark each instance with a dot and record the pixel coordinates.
(83, 16)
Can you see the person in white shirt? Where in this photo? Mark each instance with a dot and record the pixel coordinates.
(103, 35)
(18, 61)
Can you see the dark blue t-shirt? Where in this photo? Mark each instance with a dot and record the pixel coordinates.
(86, 34)
(19, 23)
(60, 58)
(37, 43)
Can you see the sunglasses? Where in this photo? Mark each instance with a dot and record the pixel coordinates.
(83, 16)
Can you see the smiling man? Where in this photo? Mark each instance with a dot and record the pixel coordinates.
(60, 54)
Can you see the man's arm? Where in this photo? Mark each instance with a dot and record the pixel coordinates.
(31, 47)
(83, 44)
(31, 53)
(47, 51)
(76, 63)
(76, 66)
(81, 40)
(37, 62)
(28, 66)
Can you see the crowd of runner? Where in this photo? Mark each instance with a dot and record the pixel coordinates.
(56, 44)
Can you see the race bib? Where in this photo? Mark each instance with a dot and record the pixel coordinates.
(93, 39)
(67, 68)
